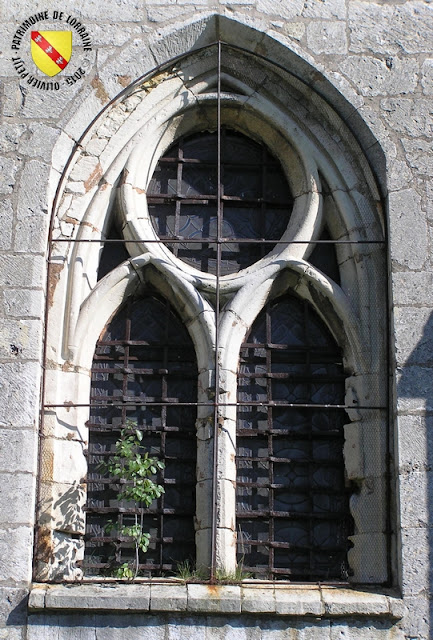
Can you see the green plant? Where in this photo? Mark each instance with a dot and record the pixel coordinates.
(186, 571)
(232, 577)
(131, 469)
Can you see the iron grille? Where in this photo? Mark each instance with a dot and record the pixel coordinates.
(292, 504)
(253, 200)
(145, 356)
(291, 387)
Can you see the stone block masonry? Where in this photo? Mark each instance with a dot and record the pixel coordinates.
(372, 62)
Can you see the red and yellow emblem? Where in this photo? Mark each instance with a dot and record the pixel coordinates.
(51, 50)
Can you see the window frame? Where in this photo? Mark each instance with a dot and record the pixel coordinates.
(170, 110)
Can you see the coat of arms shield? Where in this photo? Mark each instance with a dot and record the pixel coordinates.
(51, 50)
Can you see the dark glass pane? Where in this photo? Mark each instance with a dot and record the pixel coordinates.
(182, 197)
(324, 257)
(113, 253)
(290, 468)
(152, 360)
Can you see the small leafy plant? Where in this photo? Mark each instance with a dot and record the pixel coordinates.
(132, 470)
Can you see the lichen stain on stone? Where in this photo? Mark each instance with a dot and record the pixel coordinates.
(53, 279)
(156, 80)
(94, 178)
(100, 91)
(124, 80)
(45, 548)
(47, 461)
(70, 220)
(91, 226)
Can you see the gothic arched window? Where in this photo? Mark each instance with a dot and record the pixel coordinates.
(230, 266)
(144, 376)
(292, 503)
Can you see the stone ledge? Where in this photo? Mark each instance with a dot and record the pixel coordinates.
(260, 598)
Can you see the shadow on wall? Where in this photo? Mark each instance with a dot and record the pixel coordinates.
(121, 625)
(415, 479)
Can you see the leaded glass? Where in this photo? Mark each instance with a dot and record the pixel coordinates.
(292, 503)
(144, 363)
(253, 203)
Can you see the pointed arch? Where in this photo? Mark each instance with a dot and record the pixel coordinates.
(333, 186)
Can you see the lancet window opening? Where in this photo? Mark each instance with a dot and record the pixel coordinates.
(219, 232)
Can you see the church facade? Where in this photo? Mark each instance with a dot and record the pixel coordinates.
(216, 319)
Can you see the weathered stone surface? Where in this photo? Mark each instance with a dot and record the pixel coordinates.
(346, 602)
(327, 37)
(416, 491)
(20, 339)
(399, 175)
(17, 407)
(258, 599)
(159, 13)
(15, 555)
(420, 613)
(415, 435)
(414, 388)
(8, 170)
(298, 601)
(379, 28)
(295, 30)
(165, 597)
(418, 155)
(22, 303)
(13, 607)
(39, 141)
(414, 335)
(427, 76)
(115, 627)
(417, 573)
(115, 11)
(408, 250)
(22, 271)
(357, 630)
(105, 35)
(16, 498)
(429, 194)
(13, 633)
(67, 627)
(10, 135)
(6, 222)
(18, 450)
(372, 77)
(214, 599)
(31, 234)
(329, 9)
(32, 199)
(412, 288)
(413, 117)
(280, 8)
(95, 597)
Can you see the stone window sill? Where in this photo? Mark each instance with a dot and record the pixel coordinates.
(284, 600)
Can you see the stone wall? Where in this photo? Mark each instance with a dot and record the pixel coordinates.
(373, 63)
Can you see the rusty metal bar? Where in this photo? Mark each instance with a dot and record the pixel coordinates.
(217, 316)
(291, 405)
(222, 240)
